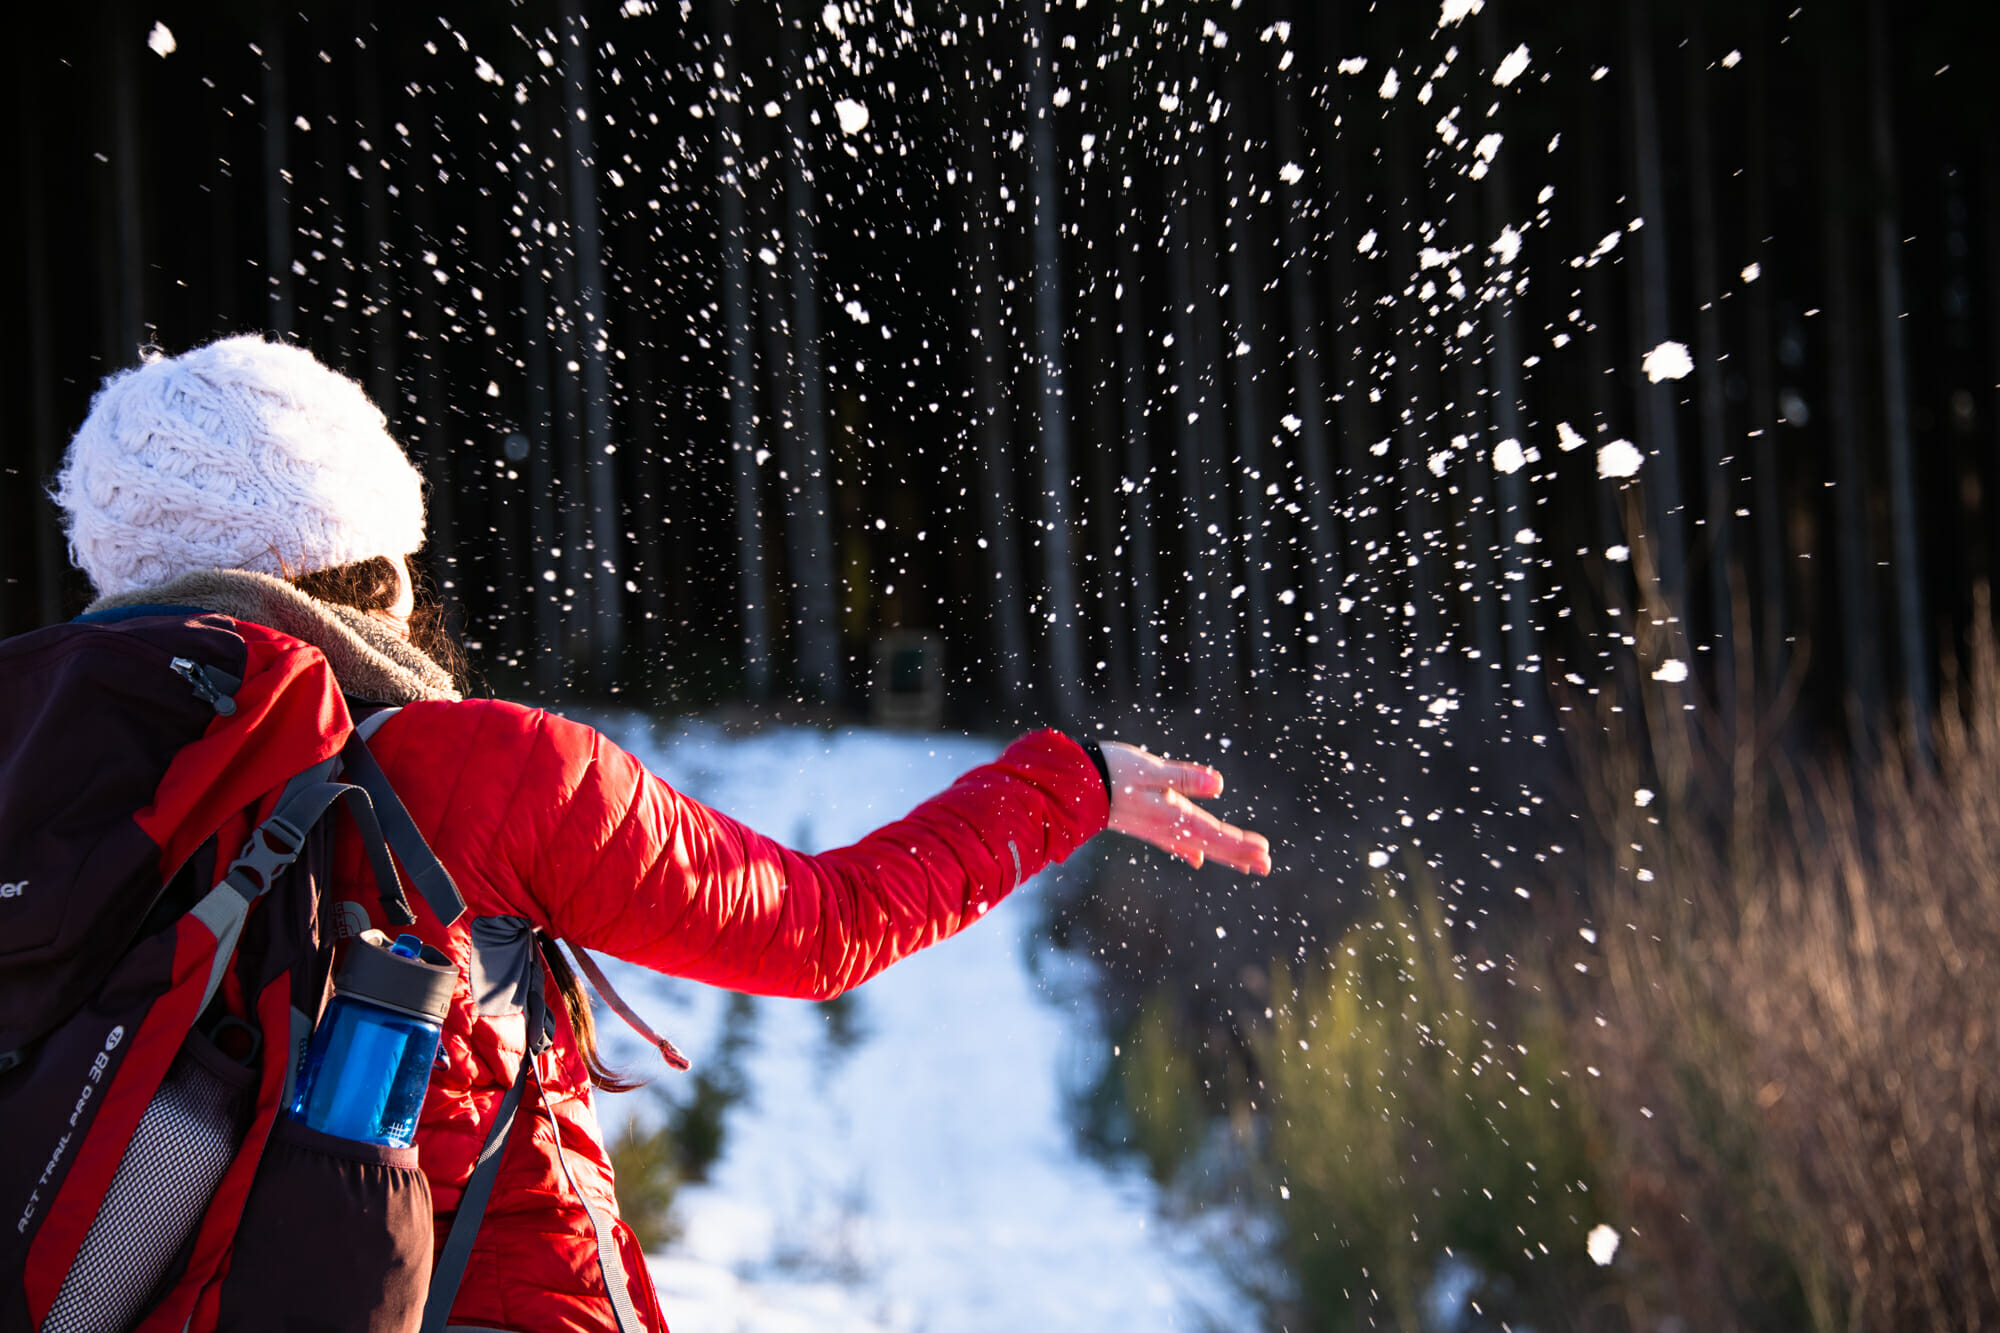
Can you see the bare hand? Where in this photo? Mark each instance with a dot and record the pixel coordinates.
(1149, 801)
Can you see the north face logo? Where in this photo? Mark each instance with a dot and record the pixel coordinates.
(14, 890)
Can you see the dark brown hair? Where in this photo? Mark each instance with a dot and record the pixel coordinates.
(373, 585)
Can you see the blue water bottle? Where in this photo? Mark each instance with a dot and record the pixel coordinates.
(368, 1066)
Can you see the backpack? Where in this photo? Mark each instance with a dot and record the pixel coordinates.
(155, 998)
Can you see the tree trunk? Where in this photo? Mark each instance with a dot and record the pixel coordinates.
(1186, 405)
(1659, 435)
(995, 426)
(1851, 535)
(1140, 478)
(277, 202)
(441, 499)
(1518, 564)
(1314, 445)
(812, 573)
(606, 587)
(1249, 463)
(1051, 317)
(1421, 630)
(51, 561)
(1208, 350)
(128, 225)
(1247, 347)
(378, 308)
(1720, 515)
(742, 389)
(1910, 616)
(1770, 521)
(544, 571)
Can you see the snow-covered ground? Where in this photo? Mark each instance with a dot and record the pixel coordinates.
(922, 1175)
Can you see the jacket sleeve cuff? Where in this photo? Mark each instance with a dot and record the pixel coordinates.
(1096, 752)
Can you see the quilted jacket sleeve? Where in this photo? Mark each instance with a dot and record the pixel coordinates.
(617, 860)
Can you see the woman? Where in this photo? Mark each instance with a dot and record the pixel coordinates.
(247, 479)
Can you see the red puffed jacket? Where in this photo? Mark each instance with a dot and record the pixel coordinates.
(544, 822)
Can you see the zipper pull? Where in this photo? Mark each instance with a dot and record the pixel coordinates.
(196, 676)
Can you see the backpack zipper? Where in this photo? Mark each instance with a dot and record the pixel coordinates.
(196, 675)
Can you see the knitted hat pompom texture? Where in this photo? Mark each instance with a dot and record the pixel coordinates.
(242, 454)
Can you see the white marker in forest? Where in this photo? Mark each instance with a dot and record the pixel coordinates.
(1620, 458)
(1668, 361)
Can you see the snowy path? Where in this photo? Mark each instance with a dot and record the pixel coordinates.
(922, 1177)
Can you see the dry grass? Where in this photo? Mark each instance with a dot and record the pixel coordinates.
(1800, 991)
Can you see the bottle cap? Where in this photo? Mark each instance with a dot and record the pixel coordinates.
(373, 971)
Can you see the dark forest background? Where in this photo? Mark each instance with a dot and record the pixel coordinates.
(1237, 374)
(711, 393)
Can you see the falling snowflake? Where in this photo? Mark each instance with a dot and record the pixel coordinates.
(1567, 437)
(1602, 1244)
(1642, 797)
(1668, 361)
(1673, 671)
(161, 40)
(853, 115)
(1457, 11)
(1752, 272)
(1291, 173)
(1513, 67)
(1620, 458)
(1378, 858)
(1390, 84)
(1509, 457)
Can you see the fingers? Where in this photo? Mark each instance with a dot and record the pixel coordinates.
(1176, 825)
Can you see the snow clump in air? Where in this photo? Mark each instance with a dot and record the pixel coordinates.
(1602, 1244)
(1620, 458)
(1354, 64)
(1366, 243)
(830, 16)
(1673, 671)
(1509, 457)
(1508, 246)
(853, 115)
(1642, 797)
(1378, 858)
(1291, 173)
(1390, 84)
(1513, 67)
(1567, 437)
(1752, 272)
(1457, 11)
(1668, 361)
(1618, 555)
(484, 69)
(161, 40)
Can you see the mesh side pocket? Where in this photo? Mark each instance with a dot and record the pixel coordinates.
(178, 1154)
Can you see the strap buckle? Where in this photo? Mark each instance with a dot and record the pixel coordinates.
(271, 847)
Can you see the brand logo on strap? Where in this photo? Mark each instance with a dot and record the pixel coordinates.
(14, 890)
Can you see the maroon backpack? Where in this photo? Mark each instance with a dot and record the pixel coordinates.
(157, 985)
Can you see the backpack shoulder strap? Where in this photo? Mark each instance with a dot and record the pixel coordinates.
(449, 1271)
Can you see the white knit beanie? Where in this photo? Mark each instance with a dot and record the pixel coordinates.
(243, 454)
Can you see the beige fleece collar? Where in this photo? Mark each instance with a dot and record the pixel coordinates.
(369, 659)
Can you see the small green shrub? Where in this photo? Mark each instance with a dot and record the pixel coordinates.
(1416, 1122)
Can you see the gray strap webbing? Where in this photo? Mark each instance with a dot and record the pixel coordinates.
(432, 880)
(609, 994)
(449, 1271)
(368, 726)
(615, 1283)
